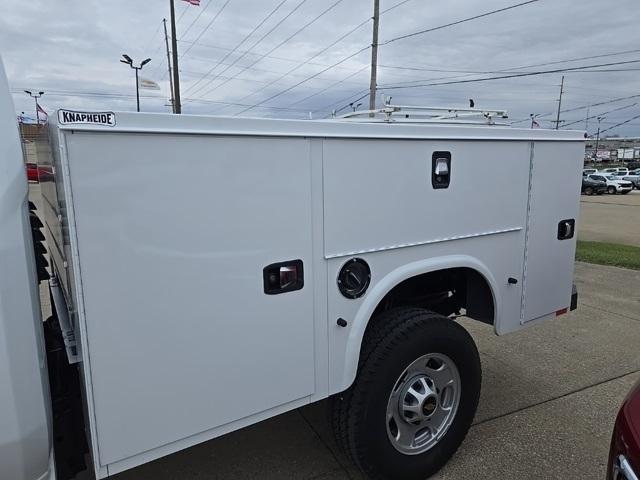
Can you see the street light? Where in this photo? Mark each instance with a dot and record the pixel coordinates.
(35, 96)
(129, 61)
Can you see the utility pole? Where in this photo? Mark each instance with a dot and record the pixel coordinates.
(177, 106)
(595, 154)
(560, 103)
(166, 42)
(586, 120)
(374, 56)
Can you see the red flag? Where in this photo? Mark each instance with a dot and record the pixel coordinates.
(193, 2)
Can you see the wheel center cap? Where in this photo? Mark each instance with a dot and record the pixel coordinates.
(429, 405)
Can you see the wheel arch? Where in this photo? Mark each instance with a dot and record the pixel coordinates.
(389, 282)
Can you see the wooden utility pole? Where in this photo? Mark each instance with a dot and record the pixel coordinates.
(166, 41)
(177, 107)
(560, 103)
(374, 56)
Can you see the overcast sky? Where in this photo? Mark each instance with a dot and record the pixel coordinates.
(70, 49)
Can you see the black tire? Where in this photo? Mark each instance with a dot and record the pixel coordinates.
(588, 190)
(611, 190)
(397, 338)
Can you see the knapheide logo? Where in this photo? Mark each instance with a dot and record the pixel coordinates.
(66, 117)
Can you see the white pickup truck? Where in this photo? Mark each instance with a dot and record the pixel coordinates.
(208, 273)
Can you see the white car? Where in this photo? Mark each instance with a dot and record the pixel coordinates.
(634, 178)
(614, 184)
(589, 171)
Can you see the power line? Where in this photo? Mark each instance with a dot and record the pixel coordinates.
(215, 17)
(399, 4)
(502, 70)
(306, 62)
(315, 19)
(329, 87)
(387, 42)
(282, 20)
(238, 45)
(305, 80)
(515, 75)
(226, 49)
(599, 115)
(620, 124)
(582, 107)
(70, 93)
(458, 22)
(197, 17)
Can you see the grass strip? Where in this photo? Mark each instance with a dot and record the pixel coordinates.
(625, 256)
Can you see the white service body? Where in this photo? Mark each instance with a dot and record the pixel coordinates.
(159, 227)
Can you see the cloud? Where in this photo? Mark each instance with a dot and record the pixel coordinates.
(70, 49)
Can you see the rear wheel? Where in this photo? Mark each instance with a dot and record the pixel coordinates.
(611, 190)
(414, 397)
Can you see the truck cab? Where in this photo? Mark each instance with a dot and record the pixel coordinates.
(26, 444)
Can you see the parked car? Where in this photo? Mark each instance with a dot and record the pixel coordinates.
(614, 184)
(622, 171)
(32, 172)
(591, 186)
(634, 178)
(624, 453)
(608, 171)
(589, 171)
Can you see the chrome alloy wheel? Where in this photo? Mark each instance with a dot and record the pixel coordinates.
(423, 404)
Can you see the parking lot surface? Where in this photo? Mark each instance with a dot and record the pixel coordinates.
(549, 398)
(610, 218)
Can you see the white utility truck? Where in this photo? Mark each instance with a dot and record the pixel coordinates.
(208, 273)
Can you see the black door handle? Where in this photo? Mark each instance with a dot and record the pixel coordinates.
(440, 169)
(283, 277)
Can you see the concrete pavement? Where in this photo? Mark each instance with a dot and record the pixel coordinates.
(610, 218)
(549, 398)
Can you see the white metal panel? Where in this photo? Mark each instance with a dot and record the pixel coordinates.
(25, 415)
(496, 257)
(378, 194)
(198, 125)
(173, 233)
(555, 196)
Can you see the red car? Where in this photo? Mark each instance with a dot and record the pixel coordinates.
(32, 172)
(38, 174)
(624, 455)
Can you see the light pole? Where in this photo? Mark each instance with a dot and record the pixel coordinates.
(35, 96)
(129, 61)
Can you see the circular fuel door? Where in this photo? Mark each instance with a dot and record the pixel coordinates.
(354, 278)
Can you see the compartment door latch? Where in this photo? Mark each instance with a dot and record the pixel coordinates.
(283, 277)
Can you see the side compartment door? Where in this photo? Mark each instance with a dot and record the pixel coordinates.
(174, 233)
(554, 204)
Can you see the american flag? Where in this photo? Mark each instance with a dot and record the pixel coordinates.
(193, 2)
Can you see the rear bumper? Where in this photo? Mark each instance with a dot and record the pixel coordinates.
(574, 298)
